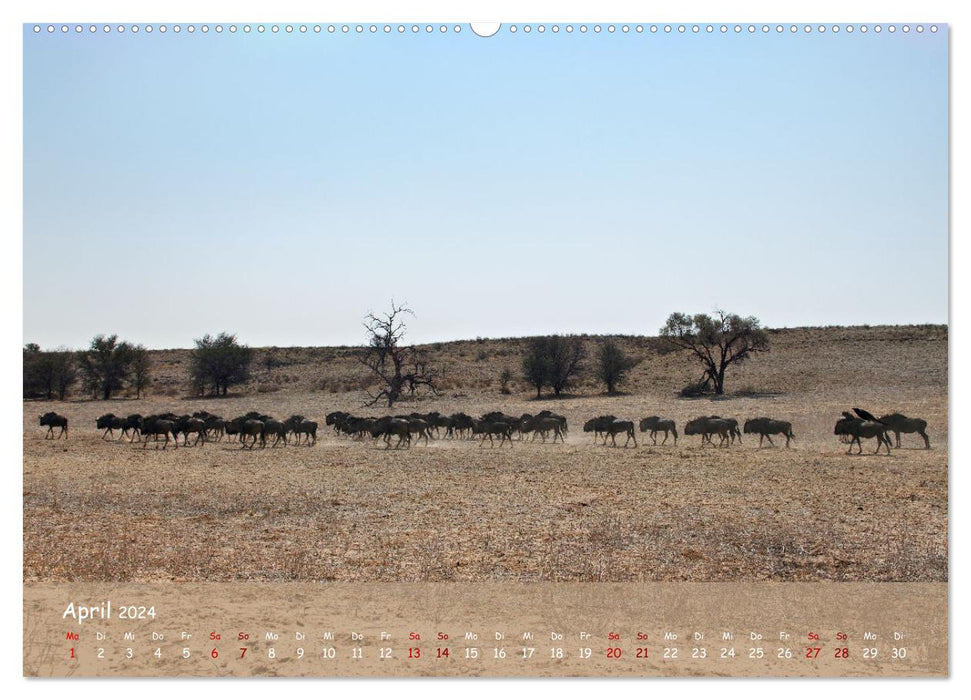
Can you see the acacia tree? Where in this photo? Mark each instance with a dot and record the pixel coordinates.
(536, 364)
(219, 363)
(397, 367)
(105, 365)
(717, 342)
(612, 365)
(141, 370)
(566, 361)
(48, 373)
(554, 361)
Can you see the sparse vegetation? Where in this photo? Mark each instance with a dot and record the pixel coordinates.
(141, 370)
(397, 367)
(612, 365)
(717, 342)
(553, 361)
(105, 366)
(48, 374)
(347, 511)
(218, 363)
(504, 378)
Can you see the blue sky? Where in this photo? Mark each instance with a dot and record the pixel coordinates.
(281, 186)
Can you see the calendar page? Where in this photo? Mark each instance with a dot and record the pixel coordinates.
(485, 350)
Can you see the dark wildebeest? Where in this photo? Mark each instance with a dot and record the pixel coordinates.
(308, 428)
(707, 426)
(336, 419)
(250, 427)
(276, 428)
(53, 420)
(438, 421)
(620, 426)
(388, 426)
(733, 431)
(487, 429)
(463, 424)
(109, 422)
(134, 424)
(900, 423)
(419, 427)
(598, 426)
(557, 416)
(500, 417)
(543, 425)
(189, 424)
(215, 428)
(432, 422)
(858, 428)
(656, 425)
(155, 426)
(298, 425)
(233, 427)
(766, 428)
(359, 428)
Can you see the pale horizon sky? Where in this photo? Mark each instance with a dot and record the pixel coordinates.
(281, 186)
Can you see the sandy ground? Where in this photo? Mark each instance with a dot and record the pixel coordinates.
(454, 510)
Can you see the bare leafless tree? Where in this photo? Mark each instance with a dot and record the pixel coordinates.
(399, 368)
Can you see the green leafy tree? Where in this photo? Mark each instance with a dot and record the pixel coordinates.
(48, 374)
(612, 365)
(717, 342)
(536, 364)
(141, 370)
(553, 361)
(105, 365)
(218, 363)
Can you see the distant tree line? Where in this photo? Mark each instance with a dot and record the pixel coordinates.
(106, 367)
(556, 362)
(218, 363)
(109, 366)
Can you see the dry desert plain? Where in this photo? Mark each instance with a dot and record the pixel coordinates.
(344, 510)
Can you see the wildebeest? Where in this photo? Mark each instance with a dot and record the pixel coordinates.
(292, 422)
(487, 429)
(858, 428)
(251, 427)
(557, 417)
(335, 419)
(419, 427)
(215, 427)
(733, 431)
(598, 426)
(298, 425)
(276, 428)
(155, 426)
(109, 422)
(656, 425)
(388, 426)
(620, 426)
(437, 421)
(543, 425)
(766, 428)
(133, 423)
(462, 423)
(706, 426)
(900, 423)
(308, 428)
(190, 424)
(53, 420)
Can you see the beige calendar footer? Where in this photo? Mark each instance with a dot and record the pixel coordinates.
(500, 629)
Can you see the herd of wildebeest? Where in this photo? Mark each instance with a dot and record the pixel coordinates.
(255, 427)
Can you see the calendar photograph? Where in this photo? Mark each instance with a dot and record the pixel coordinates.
(546, 349)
